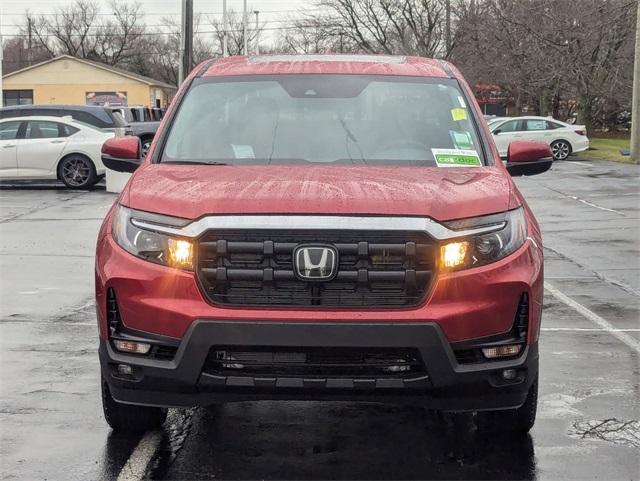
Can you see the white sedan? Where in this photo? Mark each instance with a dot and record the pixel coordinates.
(563, 138)
(51, 148)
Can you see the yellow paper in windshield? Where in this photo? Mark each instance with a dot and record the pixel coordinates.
(458, 114)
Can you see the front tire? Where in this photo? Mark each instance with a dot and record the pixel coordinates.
(514, 421)
(145, 145)
(77, 172)
(130, 418)
(560, 149)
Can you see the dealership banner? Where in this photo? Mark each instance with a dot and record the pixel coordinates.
(109, 99)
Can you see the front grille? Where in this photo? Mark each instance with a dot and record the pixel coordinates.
(255, 268)
(313, 362)
(163, 352)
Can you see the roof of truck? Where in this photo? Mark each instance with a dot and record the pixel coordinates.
(330, 64)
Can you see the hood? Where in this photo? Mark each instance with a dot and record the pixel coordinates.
(192, 191)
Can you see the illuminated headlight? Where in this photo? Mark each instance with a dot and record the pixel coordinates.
(149, 245)
(509, 235)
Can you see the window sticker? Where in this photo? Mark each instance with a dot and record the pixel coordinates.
(456, 158)
(243, 151)
(461, 140)
(458, 114)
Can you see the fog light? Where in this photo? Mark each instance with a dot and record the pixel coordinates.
(509, 374)
(133, 347)
(501, 351)
(124, 369)
(454, 254)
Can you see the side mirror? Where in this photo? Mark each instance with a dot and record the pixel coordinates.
(528, 158)
(496, 132)
(122, 154)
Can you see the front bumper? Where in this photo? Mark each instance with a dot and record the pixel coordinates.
(445, 384)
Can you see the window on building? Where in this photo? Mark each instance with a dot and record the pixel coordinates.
(17, 97)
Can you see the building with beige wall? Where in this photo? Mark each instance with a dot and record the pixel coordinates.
(75, 81)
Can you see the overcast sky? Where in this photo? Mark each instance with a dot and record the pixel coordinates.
(273, 13)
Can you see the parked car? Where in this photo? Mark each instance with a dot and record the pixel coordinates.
(321, 227)
(563, 138)
(41, 147)
(143, 122)
(492, 121)
(100, 117)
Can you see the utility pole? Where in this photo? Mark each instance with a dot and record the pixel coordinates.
(635, 103)
(29, 42)
(225, 50)
(447, 7)
(186, 49)
(257, 12)
(1, 57)
(245, 30)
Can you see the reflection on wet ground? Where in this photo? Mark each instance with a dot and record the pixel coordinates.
(299, 440)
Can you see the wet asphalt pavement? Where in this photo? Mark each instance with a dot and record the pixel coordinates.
(588, 426)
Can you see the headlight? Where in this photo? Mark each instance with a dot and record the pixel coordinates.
(148, 245)
(477, 250)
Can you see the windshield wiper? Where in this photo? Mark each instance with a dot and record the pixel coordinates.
(351, 137)
(194, 162)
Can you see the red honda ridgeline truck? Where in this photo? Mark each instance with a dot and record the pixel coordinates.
(321, 227)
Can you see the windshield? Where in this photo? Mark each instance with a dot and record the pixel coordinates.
(351, 119)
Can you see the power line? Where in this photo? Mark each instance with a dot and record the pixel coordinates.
(200, 32)
(50, 14)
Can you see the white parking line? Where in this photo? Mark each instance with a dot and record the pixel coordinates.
(595, 318)
(136, 466)
(587, 329)
(595, 205)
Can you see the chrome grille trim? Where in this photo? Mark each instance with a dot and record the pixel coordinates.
(313, 222)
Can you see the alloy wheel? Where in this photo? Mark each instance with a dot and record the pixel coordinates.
(560, 150)
(76, 172)
(145, 148)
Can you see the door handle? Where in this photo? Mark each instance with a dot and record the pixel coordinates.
(56, 142)
(8, 146)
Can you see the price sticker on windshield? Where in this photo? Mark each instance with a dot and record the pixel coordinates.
(458, 114)
(456, 158)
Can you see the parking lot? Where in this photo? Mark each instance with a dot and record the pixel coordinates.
(589, 414)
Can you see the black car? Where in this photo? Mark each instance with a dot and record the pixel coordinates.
(100, 117)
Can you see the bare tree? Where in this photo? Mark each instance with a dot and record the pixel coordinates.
(313, 34)
(78, 30)
(18, 55)
(120, 38)
(162, 49)
(411, 27)
(542, 50)
(235, 32)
